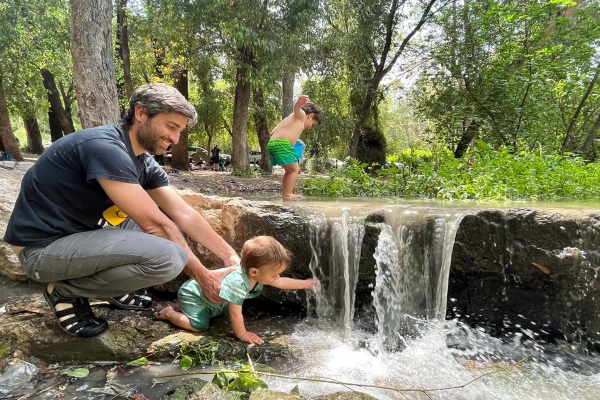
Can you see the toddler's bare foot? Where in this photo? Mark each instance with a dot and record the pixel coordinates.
(164, 313)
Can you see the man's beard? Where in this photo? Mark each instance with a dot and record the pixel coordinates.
(148, 138)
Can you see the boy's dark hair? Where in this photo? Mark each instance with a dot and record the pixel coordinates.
(262, 251)
(315, 110)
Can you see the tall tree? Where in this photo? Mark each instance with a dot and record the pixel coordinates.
(570, 140)
(34, 137)
(93, 62)
(374, 35)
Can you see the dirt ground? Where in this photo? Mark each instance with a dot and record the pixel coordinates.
(218, 183)
(224, 183)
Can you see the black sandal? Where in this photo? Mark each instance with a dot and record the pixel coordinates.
(83, 322)
(131, 302)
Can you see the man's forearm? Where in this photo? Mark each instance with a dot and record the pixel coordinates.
(197, 228)
(195, 269)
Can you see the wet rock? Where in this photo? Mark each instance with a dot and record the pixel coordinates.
(185, 389)
(530, 272)
(212, 392)
(525, 271)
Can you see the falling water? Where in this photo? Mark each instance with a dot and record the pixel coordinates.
(412, 257)
(412, 260)
(336, 241)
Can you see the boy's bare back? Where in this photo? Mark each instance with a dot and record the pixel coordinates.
(292, 126)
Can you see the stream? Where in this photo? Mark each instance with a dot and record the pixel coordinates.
(399, 344)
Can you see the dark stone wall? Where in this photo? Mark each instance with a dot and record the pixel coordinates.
(529, 272)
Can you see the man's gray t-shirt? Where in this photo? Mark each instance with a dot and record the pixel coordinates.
(60, 194)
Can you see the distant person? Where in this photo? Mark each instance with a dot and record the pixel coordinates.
(214, 159)
(285, 135)
(263, 259)
(96, 217)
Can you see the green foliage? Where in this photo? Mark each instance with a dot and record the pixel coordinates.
(245, 173)
(5, 348)
(484, 173)
(198, 353)
(511, 73)
(137, 362)
(242, 380)
(77, 372)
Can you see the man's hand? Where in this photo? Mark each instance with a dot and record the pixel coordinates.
(211, 283)
(250, 337)
(234, 259)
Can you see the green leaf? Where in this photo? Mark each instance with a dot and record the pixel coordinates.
(295, 390)
(263, 367)
(77, 372)
(139, 361)
(186, 362)
(159, 380)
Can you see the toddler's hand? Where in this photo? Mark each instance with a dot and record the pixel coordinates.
(250, 337)
(312, 283)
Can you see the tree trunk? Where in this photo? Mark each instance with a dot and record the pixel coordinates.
(68, 97)
(239, 156)
(123, 47)
(361, 119)
(469, 133)
(179, 152)
(570, 140)
(34, 137)
(93, 62)
(589, 141)
(55, 129)
(287, 103)
(56, 106)
(8, 141)
(262, 129)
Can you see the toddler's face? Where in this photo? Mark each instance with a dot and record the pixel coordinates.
(268, 275)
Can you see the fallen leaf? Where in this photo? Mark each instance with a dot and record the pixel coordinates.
(542, 268)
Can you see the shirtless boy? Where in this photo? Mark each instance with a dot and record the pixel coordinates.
(285, 135)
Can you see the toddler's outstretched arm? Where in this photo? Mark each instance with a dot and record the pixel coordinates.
(296, 284)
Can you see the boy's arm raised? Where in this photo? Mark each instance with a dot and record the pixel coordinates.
(298, 111)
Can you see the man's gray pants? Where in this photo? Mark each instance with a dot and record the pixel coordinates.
(104, 263)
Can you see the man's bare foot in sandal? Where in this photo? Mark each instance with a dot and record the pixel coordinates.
(131, 302)
(74, 314)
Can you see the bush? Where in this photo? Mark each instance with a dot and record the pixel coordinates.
(483, 173)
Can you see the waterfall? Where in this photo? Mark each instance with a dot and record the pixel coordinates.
(408, 273)
(336, 245)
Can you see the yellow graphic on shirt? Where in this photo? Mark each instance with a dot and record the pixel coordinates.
(114, 215)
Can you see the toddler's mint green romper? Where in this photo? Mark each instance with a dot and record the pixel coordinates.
(235, 288)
